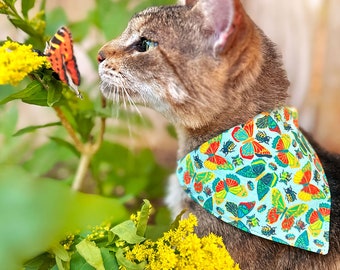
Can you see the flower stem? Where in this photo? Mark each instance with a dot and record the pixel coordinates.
(83, 166)
(77, 143)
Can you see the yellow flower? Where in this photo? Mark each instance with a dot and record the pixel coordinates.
(17, 61)
(99, 231)
(183, 249)
(3, 6)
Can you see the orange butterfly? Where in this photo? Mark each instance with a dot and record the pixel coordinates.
(284, 157)
(250, 147)
(214, 161)
(308, 191)
(59, 51)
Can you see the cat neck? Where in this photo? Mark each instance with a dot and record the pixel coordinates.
(267, 92)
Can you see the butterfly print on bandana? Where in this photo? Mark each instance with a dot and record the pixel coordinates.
(250, 146)
(271, 166)
(308, 191)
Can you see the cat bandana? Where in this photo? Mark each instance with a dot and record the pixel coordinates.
(264, 178)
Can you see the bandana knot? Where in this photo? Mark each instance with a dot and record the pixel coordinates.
(264, 178)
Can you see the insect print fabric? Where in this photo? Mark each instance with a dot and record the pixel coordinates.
(264, 178)
(59, 51)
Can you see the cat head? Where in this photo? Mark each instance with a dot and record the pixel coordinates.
(191, 62)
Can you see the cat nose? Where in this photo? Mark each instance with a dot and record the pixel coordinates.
(101, 56)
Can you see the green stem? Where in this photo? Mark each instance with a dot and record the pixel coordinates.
(82, 169)
(88, 151)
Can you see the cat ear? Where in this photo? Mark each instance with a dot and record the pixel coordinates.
(220, 16)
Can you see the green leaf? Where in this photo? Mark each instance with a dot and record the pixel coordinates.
(60, 252)
(9, 2)
(54, 94)
(143, 218)
(36, 214)
(66, 144)
(9, 119)
(110, 261)
(60, 265)
(175, 224)
(26, 5)
(128, 264)
(79, 263)
(41, 262)
(91, 253)
(127, 231)
(32, 89)
(38, 98)
(34, 128)
(47, 157)
(24, 26)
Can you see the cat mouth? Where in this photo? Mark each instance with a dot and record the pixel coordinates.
(115, 87)
(119, 93)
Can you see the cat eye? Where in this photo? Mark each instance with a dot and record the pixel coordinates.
(144, 45)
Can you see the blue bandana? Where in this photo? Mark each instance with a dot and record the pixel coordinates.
(264, 178)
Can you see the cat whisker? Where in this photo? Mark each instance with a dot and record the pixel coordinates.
(131, 101)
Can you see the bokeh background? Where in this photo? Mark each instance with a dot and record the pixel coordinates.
(306, 32)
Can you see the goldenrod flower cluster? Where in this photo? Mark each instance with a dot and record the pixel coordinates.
(181, 248)
(17, 61)
(2, 5)
(68, 241)
(99, 231)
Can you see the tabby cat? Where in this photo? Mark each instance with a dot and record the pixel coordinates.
(207, 68)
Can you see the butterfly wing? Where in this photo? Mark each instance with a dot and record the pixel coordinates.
(278, 206)
(239, 134)
(233, 186)
(210, 148)
(304, 175)
(247, 150)
(302, 241)
(244, 209)
(264, 185)
(292, 213)
(232, 208)
(311, 192)
(296, 210)
(284, 157)
(248, 172)
(220, 191)
(325, 211)
(262, 122)
(272, 215)
(241, 226)
(208, 205)
(204, 177)
(59, 52)
(287, 223)
(217, 162)
(189, 165)
(260, 150)
(272, 125)
(308, 191)
(213, 161)
(315, 222)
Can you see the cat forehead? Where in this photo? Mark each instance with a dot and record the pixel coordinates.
(164, 15)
